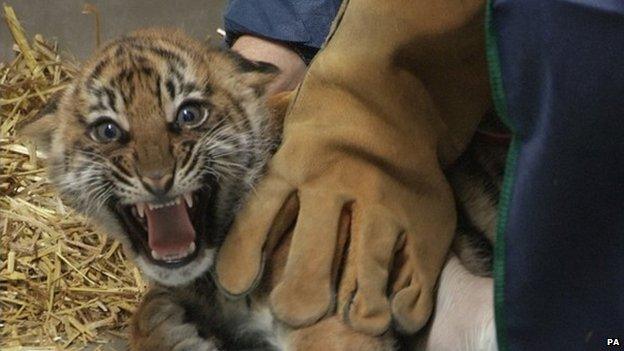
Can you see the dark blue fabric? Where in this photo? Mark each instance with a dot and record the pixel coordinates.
(562, 65)
(304, 22)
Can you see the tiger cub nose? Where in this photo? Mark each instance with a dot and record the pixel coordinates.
(157, 183)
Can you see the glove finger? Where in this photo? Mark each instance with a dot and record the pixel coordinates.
(401, 274)
(345, 268)
(305, 294)
(266, 216)
(411, 307)
(413, 301)
(377, 233)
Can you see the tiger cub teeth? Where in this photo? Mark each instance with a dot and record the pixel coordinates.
(188, 198)
(157, 206)
(174, 257)
(140, 207)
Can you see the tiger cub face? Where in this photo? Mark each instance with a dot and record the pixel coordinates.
(157, 141)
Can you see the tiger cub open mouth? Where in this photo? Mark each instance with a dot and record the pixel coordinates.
(171, 231)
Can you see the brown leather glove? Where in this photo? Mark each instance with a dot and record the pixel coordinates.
(393, 97)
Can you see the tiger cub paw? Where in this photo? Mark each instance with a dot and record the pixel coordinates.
(159, 325)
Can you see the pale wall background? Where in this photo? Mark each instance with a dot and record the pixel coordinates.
(63, 20)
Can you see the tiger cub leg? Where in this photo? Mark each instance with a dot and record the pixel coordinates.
(162, 323)
(332, 334)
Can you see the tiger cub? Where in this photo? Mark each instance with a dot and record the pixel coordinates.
(160, 134)
(158, 141)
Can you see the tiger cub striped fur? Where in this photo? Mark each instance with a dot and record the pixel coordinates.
(477, 179)
(158, 141)
(159, 127)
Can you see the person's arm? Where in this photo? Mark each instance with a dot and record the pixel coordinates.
(285, 34)
(291, 65)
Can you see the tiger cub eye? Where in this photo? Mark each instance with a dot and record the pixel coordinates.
(191, 115)
(106, 132)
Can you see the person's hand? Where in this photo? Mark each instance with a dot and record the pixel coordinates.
(363, 145)
(343, 158)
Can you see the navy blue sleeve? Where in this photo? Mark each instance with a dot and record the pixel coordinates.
(562, 282)
(304, 24)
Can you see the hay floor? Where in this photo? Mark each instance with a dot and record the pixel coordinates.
(62, 284)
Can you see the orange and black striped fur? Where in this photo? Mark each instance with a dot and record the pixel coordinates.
(477, 179)
(116, 138)
(160, 131)
(157, 141)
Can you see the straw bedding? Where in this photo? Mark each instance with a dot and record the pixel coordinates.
(62, 284)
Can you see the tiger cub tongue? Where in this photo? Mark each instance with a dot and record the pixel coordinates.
(169, 230)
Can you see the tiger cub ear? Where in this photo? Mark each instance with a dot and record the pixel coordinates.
(256, 74)
(40, 128)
